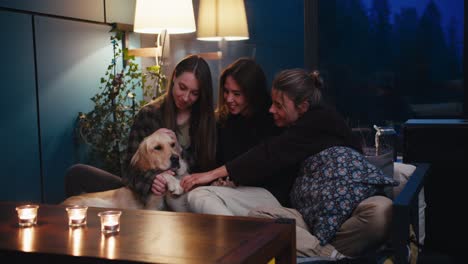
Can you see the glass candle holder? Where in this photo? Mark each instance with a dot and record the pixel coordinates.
(76, 215)
(110, 222)
(27, 215)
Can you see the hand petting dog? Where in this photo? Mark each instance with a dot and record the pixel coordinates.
(226, 182)
(193, 180)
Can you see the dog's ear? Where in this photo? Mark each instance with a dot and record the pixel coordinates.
(140, 159)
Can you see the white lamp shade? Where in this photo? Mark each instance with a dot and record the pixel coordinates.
(218, 19)
(153, 16)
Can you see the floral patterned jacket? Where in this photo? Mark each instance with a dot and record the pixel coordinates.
(331, 184)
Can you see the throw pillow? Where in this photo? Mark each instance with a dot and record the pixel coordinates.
(401, 173)
(330, 185)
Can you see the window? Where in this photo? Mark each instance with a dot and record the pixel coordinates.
(388, 61)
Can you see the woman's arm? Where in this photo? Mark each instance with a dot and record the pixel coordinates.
(190, 181)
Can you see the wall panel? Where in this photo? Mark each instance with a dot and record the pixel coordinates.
(72, 57)
(19, 158)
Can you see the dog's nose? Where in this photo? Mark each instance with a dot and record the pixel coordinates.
(174, 159)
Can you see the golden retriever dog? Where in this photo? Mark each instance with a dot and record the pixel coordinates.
(158, 152)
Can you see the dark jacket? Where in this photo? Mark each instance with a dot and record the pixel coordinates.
(274, 163)
(237, 134)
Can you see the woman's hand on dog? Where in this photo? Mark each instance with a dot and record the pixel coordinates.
(191, 181)
(159, 183)
(225, 182)
(169, 132)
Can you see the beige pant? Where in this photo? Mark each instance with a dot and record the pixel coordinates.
(365, 230)
(229, 201)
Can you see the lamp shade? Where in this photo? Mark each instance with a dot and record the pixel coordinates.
(218, 19)
(153, 16)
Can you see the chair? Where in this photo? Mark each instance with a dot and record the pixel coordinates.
(405, 213)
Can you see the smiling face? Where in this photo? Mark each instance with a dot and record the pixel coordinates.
(285, 112)
(185, 91)
(234, 97)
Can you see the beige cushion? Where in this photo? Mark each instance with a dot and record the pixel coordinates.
(401, 173)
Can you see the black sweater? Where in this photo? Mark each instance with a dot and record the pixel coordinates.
(237, 134)
(274, 163)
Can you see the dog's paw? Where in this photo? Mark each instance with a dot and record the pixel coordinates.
(178, 190)
(175, 188)
(171, 187)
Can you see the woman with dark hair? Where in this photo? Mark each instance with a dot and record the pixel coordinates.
(186, 108)
(325, 176)
(242, 114)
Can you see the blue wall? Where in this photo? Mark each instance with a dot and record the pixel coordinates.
(67, 57)
(19, 158)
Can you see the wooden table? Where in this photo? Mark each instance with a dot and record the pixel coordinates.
(146, 237)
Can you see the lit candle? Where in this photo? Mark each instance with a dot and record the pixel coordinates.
(110, 221)
(76, 215)
(111, 226)
(27, 215)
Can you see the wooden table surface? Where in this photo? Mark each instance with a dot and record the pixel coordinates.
(148, 237)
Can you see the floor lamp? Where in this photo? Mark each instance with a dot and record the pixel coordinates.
(161, 17)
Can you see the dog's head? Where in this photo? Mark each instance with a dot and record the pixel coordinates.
(159, 151)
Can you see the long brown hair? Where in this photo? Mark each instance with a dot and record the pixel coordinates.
(202, 120)
(252, 80)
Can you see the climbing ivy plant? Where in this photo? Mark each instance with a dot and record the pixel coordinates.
(106, 127)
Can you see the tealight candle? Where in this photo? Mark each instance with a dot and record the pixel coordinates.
(27, 215)
(76, 215)
(110, 221)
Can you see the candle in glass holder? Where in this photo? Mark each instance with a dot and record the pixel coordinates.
(110, 222)
(27, 215)
(76, 215)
